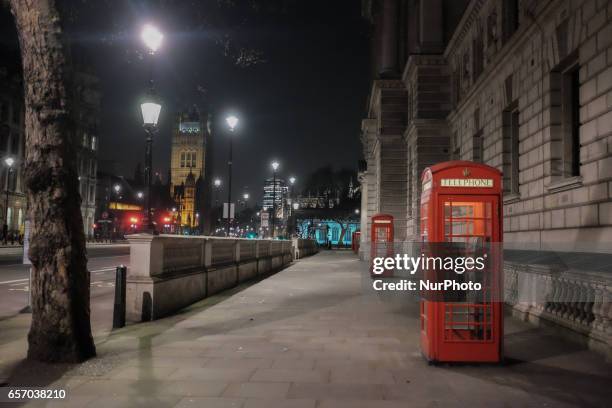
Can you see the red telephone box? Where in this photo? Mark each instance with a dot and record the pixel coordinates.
(382, 239)
(461, 208)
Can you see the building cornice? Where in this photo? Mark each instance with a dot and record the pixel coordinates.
(464, 26)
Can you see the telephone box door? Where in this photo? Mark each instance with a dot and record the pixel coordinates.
(469, 321)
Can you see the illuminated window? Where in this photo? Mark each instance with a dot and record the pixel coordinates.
(188, 159)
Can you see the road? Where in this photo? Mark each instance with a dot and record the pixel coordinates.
(103, 259)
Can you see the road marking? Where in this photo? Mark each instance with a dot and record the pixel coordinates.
(27, 279)
(102, 270)
(13, 281)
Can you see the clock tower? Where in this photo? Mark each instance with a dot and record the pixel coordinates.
(189, 140)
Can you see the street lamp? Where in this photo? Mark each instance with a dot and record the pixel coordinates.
(246, 196)
(356, 210)
(217, 183)
(292, 180)
(275, 166)
(9, 162)
(150, 115)
(232, 122)
(152, 37)
(117, 188)
(140, 194)
(150, 109)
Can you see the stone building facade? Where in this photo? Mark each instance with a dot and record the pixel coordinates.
(87, 101)
(521, 85)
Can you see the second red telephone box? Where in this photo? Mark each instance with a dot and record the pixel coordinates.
(382, 239)
(461, 217)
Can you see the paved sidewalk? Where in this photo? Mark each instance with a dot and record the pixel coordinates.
(311, 336)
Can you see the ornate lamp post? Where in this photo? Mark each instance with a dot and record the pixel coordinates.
(232, 122)
(275, 166)
(150, 115)
(150, 109)
(8, 162)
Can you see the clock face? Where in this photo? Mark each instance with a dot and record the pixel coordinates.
(189, 127)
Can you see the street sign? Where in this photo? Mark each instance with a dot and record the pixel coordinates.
(231, 211)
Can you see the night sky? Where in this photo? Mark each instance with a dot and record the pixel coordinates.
(302, 105)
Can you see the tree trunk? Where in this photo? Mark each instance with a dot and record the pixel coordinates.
(60, 330)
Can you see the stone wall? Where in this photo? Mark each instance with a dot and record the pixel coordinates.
(170, 272)
(551, 210)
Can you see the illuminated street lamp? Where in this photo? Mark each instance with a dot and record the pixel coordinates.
(275, 166)
(8, 162)
(232, 122)
(246, 196)
(140, 194)
(150, 110)
(150, 116)
(356, 210)
(117, 188)
(152, 37)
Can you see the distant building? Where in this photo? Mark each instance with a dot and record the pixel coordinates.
(119, 206)
(86, 115)
(12, 144)
(188, 161)
(278, 193)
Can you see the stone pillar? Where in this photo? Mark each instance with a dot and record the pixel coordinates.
(363, 181)
(389, 39)
(428, 135)
(431, 27)
(389, 106)
(369, 185)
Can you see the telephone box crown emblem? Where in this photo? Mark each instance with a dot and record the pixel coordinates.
(466, 172)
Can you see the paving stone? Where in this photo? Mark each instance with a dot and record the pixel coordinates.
(211, 374)
(134, 401)
(280, 403)
(336, 391)
(237, 362)
(291, 375)
(301, 363)
(361, 376)
(192, 388)
(258, 390)
(191, 402)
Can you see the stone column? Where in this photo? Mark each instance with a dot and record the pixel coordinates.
(390, 107)
(370, 201)
(431, 27)
(389, 39)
